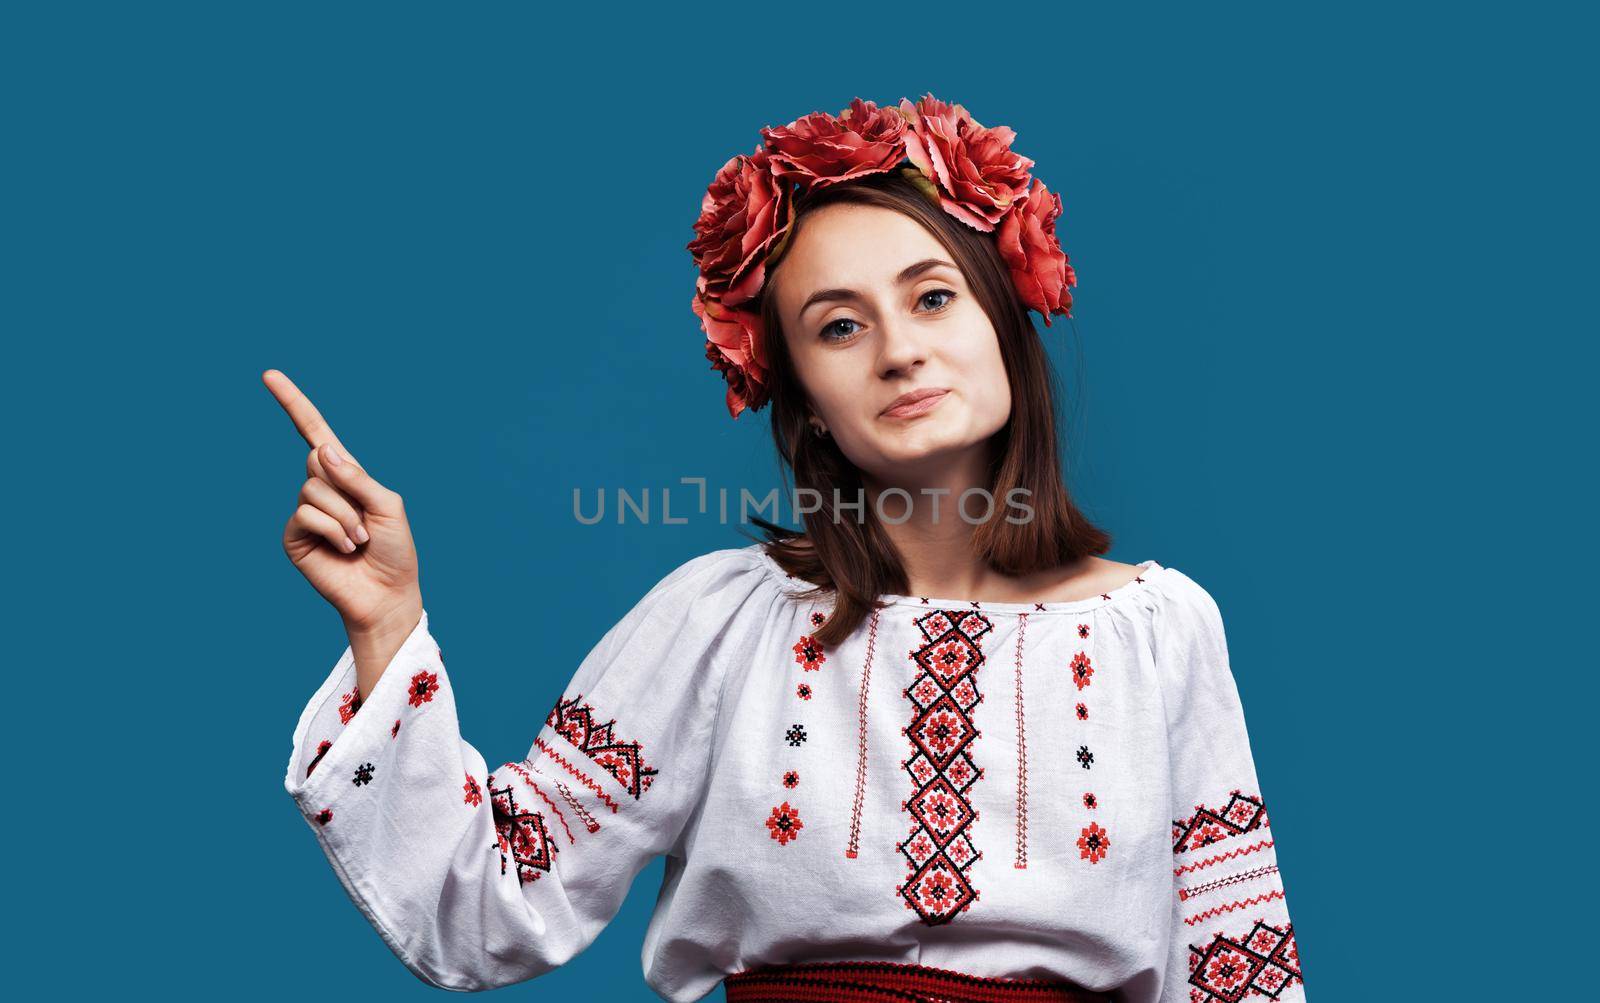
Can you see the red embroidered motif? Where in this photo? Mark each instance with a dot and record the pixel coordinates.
(803, 691)
(1264, 962)
(1243, 813)
(349, 705)
(939, 849)
(521, 836)
(1093, 843)
(423, 686)
(527, 778)
(1090, 801)
(322, 750)
(581, 777)
(1081, 669)
(325, 816)
(809, 653)
(474, 796)
(393, 732)
(624, 760)
(1083, 630)
(784, 823)
(791, 778)
(1083, 712)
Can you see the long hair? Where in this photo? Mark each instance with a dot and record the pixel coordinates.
(851, 558)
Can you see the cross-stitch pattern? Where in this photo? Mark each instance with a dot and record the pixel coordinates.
(939, 849)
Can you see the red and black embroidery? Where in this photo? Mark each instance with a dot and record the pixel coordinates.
(1083, 712)
(1081, 669)
(474, 795)
(939, 849)
(791, 778)
(423, 686)
(796, 735)
(809, 653)
(348, 706)
(1093, 843)
(1243, 813)
(803, 691)
(322, 750)
(1083, 630)
(624, 760)
(1085, 757)
(817, 618)
(1090, 801)
(784, 823)
(324, 816)
(1264, 962)
(395, 731)
(588, 782)
(521, 836)
(363, 774)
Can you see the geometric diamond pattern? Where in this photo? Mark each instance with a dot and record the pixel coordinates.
(939, 849)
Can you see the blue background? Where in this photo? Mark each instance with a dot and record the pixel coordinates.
(1332, 350)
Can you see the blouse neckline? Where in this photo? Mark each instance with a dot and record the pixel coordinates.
(1148, 570)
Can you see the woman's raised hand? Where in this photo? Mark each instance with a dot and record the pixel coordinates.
(348, 534)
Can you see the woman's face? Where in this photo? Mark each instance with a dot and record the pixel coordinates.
(873, 307)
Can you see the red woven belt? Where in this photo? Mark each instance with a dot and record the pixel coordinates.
(889, 982)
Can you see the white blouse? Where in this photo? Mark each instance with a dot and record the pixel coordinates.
(1054, 789)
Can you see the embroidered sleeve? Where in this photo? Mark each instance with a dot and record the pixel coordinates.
(479, 877)
(1231, 938)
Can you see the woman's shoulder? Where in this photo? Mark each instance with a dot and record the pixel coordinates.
(728, 574)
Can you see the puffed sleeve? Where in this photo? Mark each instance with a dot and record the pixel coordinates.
(478, 878)
(1231, 938)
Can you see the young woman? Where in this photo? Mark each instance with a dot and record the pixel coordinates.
(933, 747)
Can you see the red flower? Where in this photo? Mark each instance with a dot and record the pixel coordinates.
(1093, 843)
(733, 344)
(1039, 268)
(744, 218)
(1081, 669)
(809, 653)
(742, 215)
(977, 174)
(784, 823)
(820, 149)
(474, 796)
(423, 685)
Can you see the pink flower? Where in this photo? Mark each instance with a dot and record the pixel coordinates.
(978, 175)
(820, 149)
(1039, 268)
(742, 215)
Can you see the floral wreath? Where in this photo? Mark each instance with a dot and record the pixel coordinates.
(969, 170)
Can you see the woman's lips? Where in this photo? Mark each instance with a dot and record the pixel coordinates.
(913, 408)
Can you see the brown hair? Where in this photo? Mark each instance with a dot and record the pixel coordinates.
(853, 559)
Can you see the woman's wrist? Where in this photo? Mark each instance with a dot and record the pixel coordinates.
(375, 644)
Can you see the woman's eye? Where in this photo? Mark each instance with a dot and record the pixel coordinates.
(949, 294)
(830, 332)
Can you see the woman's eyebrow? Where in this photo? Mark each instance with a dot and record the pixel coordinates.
(845, 295)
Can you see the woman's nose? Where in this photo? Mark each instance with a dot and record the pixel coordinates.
(900, 347)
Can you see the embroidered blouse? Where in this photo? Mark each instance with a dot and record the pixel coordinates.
(1042, 789)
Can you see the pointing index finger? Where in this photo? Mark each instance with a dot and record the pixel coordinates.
(307, 419)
